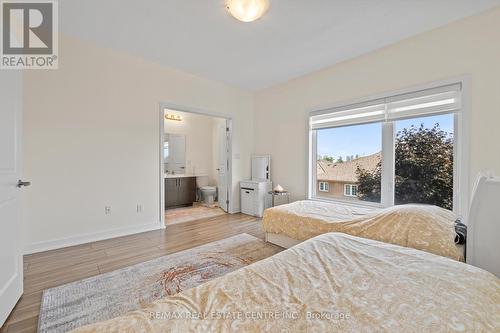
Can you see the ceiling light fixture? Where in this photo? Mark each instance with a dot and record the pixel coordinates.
(247, 10)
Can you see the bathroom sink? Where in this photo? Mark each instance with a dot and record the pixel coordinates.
(175, 175)
(181, 175)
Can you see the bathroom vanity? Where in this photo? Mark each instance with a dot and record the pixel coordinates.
(180, 190)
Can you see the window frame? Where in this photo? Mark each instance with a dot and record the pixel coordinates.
(460, 147)
(326, 186)
(350, 186)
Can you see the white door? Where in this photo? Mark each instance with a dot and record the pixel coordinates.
(177, 153)
(223, 167)
(11, 260)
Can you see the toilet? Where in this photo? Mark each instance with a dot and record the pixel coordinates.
(207, 193)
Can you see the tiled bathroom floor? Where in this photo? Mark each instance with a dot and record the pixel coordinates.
(187, 214)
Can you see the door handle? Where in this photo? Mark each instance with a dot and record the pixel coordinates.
(20, 183)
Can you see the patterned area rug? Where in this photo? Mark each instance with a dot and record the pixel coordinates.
(106, 296)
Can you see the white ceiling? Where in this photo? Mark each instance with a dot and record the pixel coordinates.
(294, 38)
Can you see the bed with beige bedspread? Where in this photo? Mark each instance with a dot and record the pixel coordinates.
(331, 283)
(422, 227)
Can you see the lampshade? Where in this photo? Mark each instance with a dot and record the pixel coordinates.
(247, 10)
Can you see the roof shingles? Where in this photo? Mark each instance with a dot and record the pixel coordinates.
(346, 171)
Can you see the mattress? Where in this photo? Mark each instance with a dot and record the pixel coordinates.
(333, 282)
(422, 227)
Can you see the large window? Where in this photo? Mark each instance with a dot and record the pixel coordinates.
(342, 153)
(395, 150)
(424, 161)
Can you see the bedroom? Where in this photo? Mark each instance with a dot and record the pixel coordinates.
(90, 127)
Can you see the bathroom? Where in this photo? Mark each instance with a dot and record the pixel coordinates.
(196, 169)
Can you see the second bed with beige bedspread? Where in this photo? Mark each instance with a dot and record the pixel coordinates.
(422, 227)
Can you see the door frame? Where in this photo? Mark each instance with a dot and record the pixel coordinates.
(193, 110)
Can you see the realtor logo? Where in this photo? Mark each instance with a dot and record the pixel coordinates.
(29, 35)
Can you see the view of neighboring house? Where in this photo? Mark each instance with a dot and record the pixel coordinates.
(339, 179)
(249, 166)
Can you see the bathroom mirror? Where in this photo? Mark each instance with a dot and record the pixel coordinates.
(174, 150)
(165, 151)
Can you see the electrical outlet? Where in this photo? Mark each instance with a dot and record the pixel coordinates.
(107, 210)
(139, 208)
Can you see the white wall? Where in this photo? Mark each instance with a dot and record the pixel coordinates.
(91, 133)
(467, 47)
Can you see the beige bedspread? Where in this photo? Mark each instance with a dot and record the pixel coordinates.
(422, 227)
(331, 283)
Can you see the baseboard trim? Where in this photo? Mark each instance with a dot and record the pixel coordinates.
(234, 210)
(89, 238)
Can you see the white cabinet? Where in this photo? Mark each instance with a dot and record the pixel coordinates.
(247, 200)
(255, 197)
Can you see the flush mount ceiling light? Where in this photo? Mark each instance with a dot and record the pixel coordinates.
(247, 10)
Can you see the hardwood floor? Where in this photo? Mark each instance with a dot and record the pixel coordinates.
(52, 268)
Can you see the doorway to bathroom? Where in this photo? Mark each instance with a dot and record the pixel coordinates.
(195, 165)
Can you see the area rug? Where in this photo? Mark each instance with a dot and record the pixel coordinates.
(188, 214)
(106, 296)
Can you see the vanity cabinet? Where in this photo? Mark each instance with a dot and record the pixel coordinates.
(180, 191)
(171, 190)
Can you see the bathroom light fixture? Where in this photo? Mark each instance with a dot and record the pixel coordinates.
(247, 10)
(175, 117)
